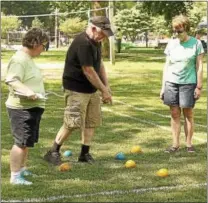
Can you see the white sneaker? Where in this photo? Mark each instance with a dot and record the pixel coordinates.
(20, 181)
(26, 173)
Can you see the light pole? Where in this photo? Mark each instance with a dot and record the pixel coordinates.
(112, 47)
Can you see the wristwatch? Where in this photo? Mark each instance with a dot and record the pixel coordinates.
(199, 88)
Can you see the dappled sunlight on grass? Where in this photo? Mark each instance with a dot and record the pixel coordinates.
(137, 118)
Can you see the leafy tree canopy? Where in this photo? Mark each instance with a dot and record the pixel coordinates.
(167, 8)
(72, 26)
(9, 24)
(133, 22)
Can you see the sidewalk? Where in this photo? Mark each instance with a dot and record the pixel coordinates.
(42, 66)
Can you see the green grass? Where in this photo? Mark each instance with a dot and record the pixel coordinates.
(135, 118)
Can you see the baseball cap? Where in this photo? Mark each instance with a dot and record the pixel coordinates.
(103, 23)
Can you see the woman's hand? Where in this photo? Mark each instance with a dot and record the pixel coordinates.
(197, 93)
(162, 94)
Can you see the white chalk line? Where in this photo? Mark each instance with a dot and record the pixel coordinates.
(147, 122)
(140, 120)
(113, 192)
(151, 112)
(129, 105)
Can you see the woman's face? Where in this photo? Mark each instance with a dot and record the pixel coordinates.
(180, 33)
(39, 49)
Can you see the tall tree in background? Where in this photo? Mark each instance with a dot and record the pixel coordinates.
(26, 8)
(9, 24)
(196, 15)
(167, 8)
(133, 22)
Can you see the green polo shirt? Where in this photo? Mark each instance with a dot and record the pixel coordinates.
(182, 65)
(22, 67)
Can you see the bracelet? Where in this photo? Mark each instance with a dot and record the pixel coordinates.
(199, 88)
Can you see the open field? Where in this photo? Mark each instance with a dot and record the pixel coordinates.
(137, 117)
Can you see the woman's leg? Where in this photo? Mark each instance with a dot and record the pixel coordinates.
(189, 125)
(175, 125)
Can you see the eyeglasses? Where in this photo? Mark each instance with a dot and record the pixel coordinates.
(178, 31)
(44, 47)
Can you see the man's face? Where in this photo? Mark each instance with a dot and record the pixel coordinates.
(98, 35)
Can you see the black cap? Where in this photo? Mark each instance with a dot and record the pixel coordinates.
(103, 23)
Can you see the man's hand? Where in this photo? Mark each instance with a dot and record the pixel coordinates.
(106, 97)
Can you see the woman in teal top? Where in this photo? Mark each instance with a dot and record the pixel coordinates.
(182, 80)
(26, 102)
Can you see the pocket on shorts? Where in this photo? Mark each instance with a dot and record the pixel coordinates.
(72, 114)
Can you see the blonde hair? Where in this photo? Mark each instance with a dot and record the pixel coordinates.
(181, 21)
(34, 36)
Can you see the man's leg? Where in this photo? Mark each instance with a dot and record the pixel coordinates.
(53, 155)
(87, 135)
(92, 120)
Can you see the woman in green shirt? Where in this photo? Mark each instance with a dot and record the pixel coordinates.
(182, 80)
(26, 101)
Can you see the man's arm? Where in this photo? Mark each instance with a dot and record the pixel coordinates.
(94, 79)
(104, 77)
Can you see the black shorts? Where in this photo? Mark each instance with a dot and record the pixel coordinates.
(25, 125)
(179, 95)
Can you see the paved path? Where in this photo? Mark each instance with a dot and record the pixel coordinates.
(41, 65)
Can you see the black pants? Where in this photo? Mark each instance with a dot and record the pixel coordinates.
(118, 45)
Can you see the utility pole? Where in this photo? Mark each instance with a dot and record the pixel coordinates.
(112, 46)
(56, 28)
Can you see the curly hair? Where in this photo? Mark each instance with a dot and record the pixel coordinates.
(34, 36)
(181, 21)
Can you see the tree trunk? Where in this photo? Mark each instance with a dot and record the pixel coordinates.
(105, 43)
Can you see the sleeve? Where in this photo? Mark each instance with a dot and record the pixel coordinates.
(167, 51)
(85, 55)
(199, 48)
(15, 71)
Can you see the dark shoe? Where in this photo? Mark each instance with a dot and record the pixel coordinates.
(190, 149)
(53, 158)
(171, 149)
(86, 158)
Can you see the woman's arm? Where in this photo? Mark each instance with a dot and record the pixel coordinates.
(199, 75)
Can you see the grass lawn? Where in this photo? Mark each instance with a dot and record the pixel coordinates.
(137, 117)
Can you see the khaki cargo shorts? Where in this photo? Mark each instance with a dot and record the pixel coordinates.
(82, 110)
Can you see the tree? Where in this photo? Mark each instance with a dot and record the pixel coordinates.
(167, 8)
(19, 8)
(133, 22)
(72, 26)
(37, 23)
(9, 24)
(72, 6)
(196, 14)
(159, 26)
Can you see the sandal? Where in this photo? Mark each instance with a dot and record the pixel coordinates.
(190, 149)
(171, 149)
